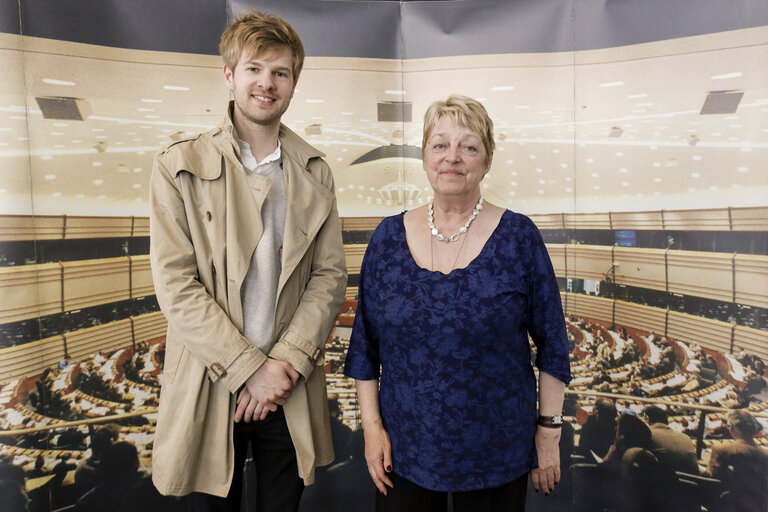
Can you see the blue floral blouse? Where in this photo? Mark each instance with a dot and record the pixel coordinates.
(457, 391)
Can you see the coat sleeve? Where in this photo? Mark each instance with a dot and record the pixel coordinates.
(193, 314)
(303, 341)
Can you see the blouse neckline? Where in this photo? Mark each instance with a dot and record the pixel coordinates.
(481, 254)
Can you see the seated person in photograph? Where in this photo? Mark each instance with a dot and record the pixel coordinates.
(741, 465)
(674, 450)
(631, 432)
(449, 293)
(116, 491)
(89, 472)
(599, 431)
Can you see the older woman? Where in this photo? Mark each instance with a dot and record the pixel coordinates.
(448, 295)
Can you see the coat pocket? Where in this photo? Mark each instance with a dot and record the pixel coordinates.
(174, 350)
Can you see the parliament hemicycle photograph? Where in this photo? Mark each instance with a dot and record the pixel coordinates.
(382, 255)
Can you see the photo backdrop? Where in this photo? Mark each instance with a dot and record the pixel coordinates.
(633, 133)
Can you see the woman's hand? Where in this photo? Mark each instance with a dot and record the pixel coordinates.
(547, 474)
(378, 454)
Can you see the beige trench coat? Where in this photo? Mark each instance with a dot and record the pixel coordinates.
(204, 226)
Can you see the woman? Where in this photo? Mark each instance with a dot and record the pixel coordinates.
(448, 295)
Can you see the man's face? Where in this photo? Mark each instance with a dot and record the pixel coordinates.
(262, 85)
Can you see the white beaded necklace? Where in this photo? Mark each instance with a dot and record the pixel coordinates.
(463, 229)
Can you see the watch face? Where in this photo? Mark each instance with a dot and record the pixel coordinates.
(557, 420)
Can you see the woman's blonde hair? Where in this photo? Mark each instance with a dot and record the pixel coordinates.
(465, 111)
(256, 31)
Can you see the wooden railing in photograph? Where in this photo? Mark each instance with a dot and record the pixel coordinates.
(58, 227)
(32, 358)
(715, 219)
(31, 291)
(740, 278)
(14, 228)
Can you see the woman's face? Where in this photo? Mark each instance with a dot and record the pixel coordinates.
(454, 159)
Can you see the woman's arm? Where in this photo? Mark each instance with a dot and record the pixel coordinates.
(378, 451)
(551, 394)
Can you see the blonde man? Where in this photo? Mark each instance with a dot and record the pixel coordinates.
(248, 265)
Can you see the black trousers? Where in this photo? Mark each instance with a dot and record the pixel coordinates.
(407, 496)
(277, 484)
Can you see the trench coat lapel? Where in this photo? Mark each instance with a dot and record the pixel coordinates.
(244, 224)
(309, 203)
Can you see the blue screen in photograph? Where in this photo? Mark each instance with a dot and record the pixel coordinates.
(626, 238)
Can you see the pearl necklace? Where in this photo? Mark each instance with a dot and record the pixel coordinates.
(454, 237)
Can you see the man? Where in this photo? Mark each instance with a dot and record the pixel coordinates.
(599, 431)
(742, 466)
(248, 265)
(674, 450)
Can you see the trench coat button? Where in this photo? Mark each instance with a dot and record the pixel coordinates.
(208, 216)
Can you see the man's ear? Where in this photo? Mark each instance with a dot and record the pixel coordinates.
(228, 76)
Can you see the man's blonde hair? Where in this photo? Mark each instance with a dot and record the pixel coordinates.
(467, 112)
(255, 31)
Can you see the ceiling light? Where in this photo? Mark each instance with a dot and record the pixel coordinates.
(53, 81)
(696, 157)
(56, 194)
(149, 100)
(611, 84)
(695, 175)
(46, 157)
(520, 107)
(743, 169)
(145, 109)
(726, 75)
(175, 88)
(636, 96)
(345, 114)
(98, 182)
(137, 185)
(623, 169)
(624, 183)
(101, 197)
(394, 92)
(50, 177)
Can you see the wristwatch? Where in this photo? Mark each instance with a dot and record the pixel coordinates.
(555, 421)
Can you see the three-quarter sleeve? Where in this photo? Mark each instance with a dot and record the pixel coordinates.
(544, 319)
(363, 361)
